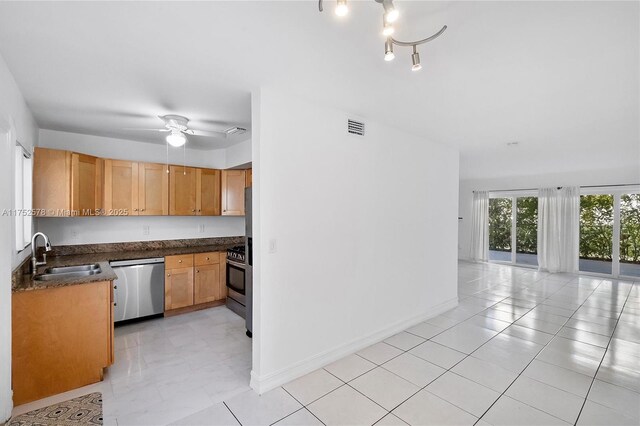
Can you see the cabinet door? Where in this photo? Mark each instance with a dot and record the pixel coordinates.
(153, 189)
(223, 274)
(51, 181)
(120, 187)
(248, 178)
(86, 184)
(233, 183)
(178, 288)
(208, 192)
(182, 191)
(207, 284)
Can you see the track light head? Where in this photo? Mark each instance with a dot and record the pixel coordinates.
(341, 8)
(415, 58)
(391, 14)
(388, 50)
(387, 28)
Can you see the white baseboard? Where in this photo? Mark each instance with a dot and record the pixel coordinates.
(285, 375)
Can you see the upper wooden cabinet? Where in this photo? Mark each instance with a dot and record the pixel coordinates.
(233, 184)
(207, 192)
(153, 189)
(120, 187)
(51, 182)
(248, 178)
(86, 184)
(66, 183)
(133, 189)
(182, 191)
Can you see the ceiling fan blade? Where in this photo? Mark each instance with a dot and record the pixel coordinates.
(205, 133)
(147, 130)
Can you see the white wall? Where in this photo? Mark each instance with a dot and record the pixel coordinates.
(93, 230)
(364, 229)
(238, 154)
(614, 176)
(64, 231)
(123, 149)
(16, 123)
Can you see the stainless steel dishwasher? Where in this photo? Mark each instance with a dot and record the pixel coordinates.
(139, 290)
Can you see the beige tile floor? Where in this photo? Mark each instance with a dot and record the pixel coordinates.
(522, 348)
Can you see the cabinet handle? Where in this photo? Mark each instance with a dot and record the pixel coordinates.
(197, 271)
(193, 210)
(199, 210)
(115, 287)
(141, 210)
(207, 258)
(135, 210)
(179, 261)
(168, 275)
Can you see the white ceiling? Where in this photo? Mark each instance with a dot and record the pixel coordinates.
(559, 77)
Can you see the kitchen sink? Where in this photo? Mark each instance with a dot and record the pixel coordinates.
(66, 269)
(68, 272)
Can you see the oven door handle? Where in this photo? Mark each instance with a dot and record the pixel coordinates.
(236, 264)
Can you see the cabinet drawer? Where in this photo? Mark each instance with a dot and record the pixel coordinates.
(180, 261)
(201, 259)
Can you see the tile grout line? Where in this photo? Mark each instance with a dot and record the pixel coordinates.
(603, 356)
(544, 346)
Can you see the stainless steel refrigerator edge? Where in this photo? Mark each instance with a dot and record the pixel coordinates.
(248, 260)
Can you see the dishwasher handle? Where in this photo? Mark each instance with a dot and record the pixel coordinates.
(135, 262)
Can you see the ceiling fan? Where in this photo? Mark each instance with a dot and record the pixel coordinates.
(178, 127)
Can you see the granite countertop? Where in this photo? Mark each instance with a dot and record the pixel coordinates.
(102, 254)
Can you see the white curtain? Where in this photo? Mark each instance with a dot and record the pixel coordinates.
(570, 228)
(480, 226)
(548, 230)
(558, 229)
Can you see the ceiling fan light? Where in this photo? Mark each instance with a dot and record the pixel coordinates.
(415, 58)
(176, 139)
(341, 8)
(388, 50)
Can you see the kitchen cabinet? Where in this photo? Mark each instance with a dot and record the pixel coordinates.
(135, 189)
(62, 339)
(233, 184)
(51, 182)
(182, 191)
(178, 288)
(86, 184)
(120, 187)
(194, 280)
(153, 189)
(208, 192)
(248, 178)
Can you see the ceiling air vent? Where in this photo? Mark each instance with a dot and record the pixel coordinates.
(355, 127)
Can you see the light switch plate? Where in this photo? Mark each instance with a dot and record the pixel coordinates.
(145, 230)
(273, 245)
(201, 227)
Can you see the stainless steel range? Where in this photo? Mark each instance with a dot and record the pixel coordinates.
(236, 279)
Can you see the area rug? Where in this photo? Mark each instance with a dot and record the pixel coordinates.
(84, 410)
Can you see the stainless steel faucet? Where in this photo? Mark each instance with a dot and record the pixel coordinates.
(34, 250)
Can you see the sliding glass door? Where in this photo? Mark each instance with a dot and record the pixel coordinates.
(513, 230)
(630, 235)
(610, 234)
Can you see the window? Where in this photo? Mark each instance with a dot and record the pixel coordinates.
(610, 232)
(513, 230)
(23, 175)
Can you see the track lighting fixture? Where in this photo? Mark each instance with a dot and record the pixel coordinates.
(388, 50)
(390, 15)
(176, 138)
(387, 28)
(415, 58)
(341, 8)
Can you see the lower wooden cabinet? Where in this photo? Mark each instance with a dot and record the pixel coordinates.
(194, 279)
(62, 339)
(178, 288)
